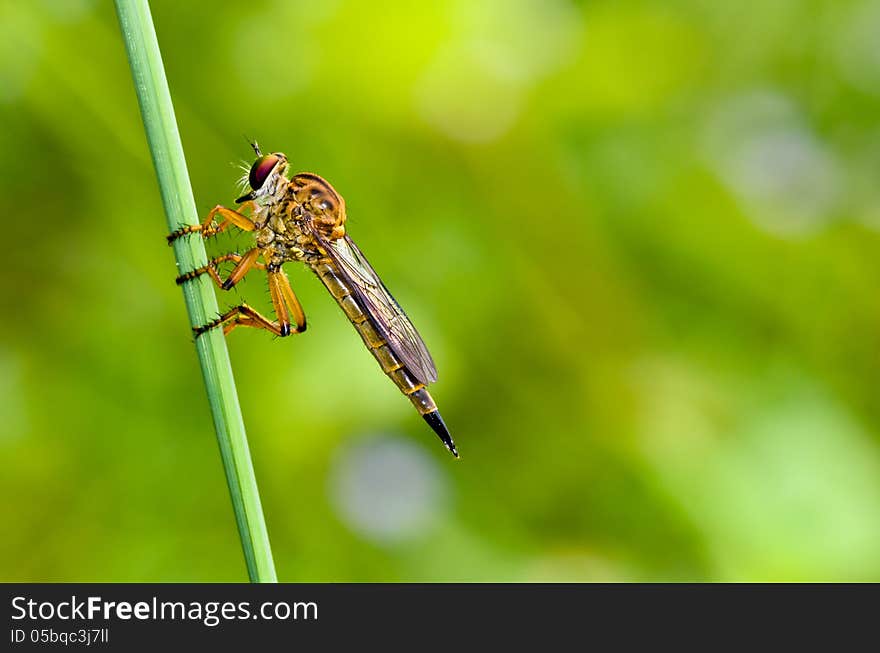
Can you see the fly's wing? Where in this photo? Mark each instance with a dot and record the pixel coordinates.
(389, 319)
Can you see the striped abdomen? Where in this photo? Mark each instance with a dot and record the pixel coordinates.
(389, 361)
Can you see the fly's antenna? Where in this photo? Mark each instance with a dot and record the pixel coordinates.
(253, 143)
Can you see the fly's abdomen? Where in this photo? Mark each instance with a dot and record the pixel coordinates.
(388, 360)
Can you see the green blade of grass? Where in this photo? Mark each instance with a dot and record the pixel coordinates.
(157, 113)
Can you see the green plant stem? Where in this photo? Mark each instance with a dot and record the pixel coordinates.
(157, 113)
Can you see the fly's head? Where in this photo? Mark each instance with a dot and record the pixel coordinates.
(320, 203)
(267, 177)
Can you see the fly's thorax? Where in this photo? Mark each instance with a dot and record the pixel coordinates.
(265, 238)
(273, 218)
(284, 240)
(319, 202)
(264, 217)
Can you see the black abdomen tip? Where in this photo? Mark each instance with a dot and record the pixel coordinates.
(436, 422)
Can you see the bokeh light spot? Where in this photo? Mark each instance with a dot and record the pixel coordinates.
(387, 489)
(786, 178)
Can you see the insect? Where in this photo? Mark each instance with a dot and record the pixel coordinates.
(302, 218)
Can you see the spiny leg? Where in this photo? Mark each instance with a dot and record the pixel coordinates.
(207, 227)
(245, 315)
(245, 264)
(282, 296)
(278, 278)
(284, 301)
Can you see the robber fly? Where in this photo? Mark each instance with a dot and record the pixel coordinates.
(302, 218)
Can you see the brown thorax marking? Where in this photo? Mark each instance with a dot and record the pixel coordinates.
(282, 232)
(314, 197)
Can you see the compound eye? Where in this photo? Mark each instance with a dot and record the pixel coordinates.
(261, 169)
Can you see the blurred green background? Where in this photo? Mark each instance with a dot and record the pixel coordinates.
(640, 238)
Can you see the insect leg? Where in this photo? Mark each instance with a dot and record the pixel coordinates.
(275, 275)
(211, 269)
(247, 262)
(207, 227)
(245, 315)
(289, 297)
